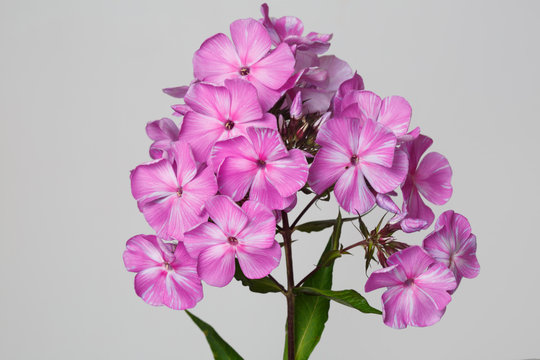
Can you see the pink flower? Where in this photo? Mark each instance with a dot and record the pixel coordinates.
(220, 113)
(429, 177)
(417, 288)
(259, 162)
(289, 29)
(247, 57)
(171, 196)
(166, 275)
(352, 151)
(401, 219)
(394, 112)
(354, 83)
(164, 132)
(245, 233)
(453, 244)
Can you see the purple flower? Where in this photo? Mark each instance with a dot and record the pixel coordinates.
(220, 113)
(164, 132)
(166, 274)
(245, 233)
(453, 244)
(352, 151)
(246, 57)
(430, 177)
(417, 288)
(171, 196)
(260, 164)
(354, 83)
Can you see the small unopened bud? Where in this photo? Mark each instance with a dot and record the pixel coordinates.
(296, 106)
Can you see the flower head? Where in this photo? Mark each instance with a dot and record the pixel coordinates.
(166, 274)
(248, 57)
(259, 163)
(164, 132)
(351, 152)
(417, 288)
(220, 113)
(453, 244)
(245, 233)
(171, 196)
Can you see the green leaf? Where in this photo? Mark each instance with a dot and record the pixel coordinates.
(363, 228)
(319, 225)
(329, 257)
(311, 312)
(349, 298)
(262, 286)
(220, 349)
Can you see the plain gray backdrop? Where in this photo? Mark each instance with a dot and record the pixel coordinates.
(80, 79)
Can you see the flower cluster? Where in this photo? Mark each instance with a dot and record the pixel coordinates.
(268, 116)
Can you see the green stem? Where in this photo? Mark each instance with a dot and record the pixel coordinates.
(287, 230)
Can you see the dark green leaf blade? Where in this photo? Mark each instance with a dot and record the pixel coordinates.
(220, 349)
(311, 312)
(315, 225)
(262, 286)
(349, 298)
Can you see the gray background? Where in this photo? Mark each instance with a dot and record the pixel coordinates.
(79, 81)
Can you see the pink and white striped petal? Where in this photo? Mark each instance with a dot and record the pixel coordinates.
(251, 40)
(216, 264)
(227, 215)
(385, 277)
(288, 174)
(201, 132)
(433, 178)
(275, 69)
(263, 191)
(267, 144)
(376, 144)
(153, 180)
(236, 176)
(327, 167)
(186, 168)
(150, 285)
(414, 260)
(395, 114)
(244, 106)
(367, 102)
(216, 60)
(202, 237)
(261, 229)
(255, 262)
(142, 252)
(239, 147)
(384, 179)
(352, 193)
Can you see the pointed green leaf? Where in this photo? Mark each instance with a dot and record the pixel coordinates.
(320, 225)
(220, 349)
(262, 286)
(311, 312)
(363, 228)
(349, 298)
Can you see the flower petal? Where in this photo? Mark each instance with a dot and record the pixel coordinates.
(415, 149)
(385, 179)
(186, 168)
(255, 262)
(207, 99)
(327, 167)
(244, 104)
(376, 144)
(216, 264)
(202, 237)
(238, 147)
(261, 229)
(201, 132)
(251, 40)
(368, 103)
(235, 177)
(263, 191)
(267, 144)
(142, 252)
(438, 278)
(395, 114)
(414, 261)
(226, 214)
(433, 178)
(150, 285)
(416, 208)
(153, 180)
(288, 174)
(275, 69)
(352, 192)
(216, 60)
(385, 277)
(342, 134)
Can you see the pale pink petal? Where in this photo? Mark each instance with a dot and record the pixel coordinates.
(437, 281)
(142, 252)
(352, 192)
(377, 144)
(395, 114)
(160, 149)
(201, 132)
(157, 213)
(423, 308)
(342, 134)
(348, 86)
(433, 178)
(199, 190)
(267, 144)
(414, 260)
(413, 225)
(226, 214)
(153, 180)
(176, 92)
(186, 168)
(216, 264)
(416, 208)
(384, 179)
(338, 71)
(267, 97)
(184, 288)
(275, 69)
(410, 136)
(210, 100)
(235, 177)
(216, 60)
(288, 174)
(264, 192)
(261, 229)
(289, 25)
(255, 262)
(251, 40)
(296, 106)
(202, 237)
(396, 303)
(385, 202)
(150, 285)
(385, 277)
(244, 105)
(327, 167)
(316, 100)
(267, 121)
(238, 147)
(367, 102)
